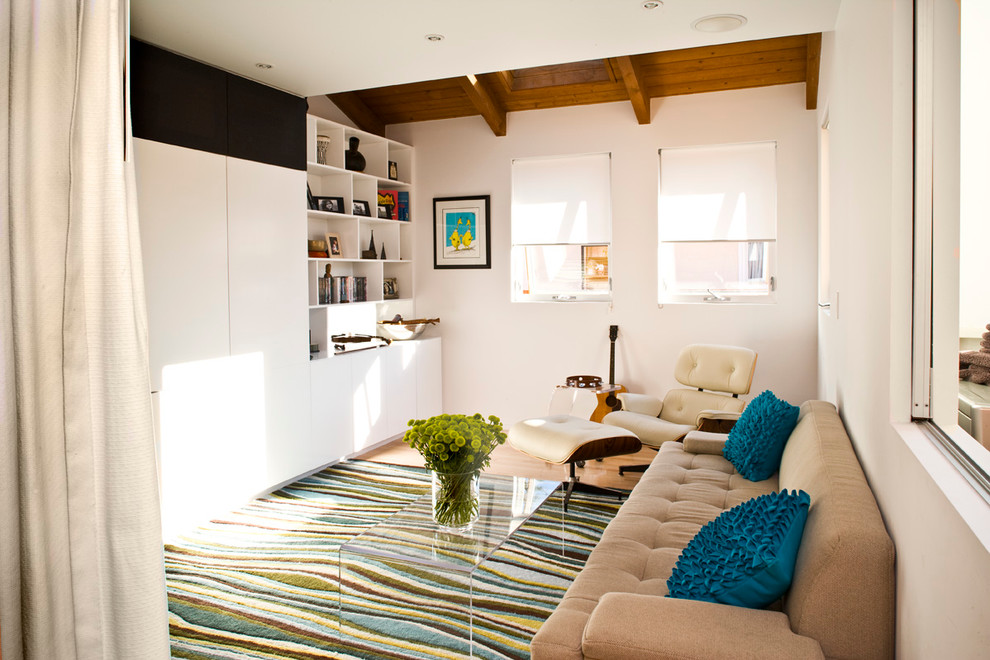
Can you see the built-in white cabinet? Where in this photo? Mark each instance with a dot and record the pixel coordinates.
(182, 204)
(226, 299)
(265, 230)
(363, 398)
(350, 236)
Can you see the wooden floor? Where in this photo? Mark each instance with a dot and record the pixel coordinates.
(508, 461)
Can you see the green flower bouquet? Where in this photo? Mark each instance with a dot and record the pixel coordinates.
(456, 448)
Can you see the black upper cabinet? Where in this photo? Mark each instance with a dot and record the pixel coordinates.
(182, 102)
(265, 125)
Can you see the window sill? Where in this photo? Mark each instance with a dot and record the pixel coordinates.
(970, 504)
(735, 302)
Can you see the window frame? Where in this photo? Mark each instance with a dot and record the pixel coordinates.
(929, 400)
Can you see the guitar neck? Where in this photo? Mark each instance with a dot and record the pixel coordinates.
(611, 364)
(613, 333)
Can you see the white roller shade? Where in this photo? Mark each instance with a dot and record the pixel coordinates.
(719, 193)
(562, 200)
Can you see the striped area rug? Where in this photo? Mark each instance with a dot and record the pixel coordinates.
(263, 581)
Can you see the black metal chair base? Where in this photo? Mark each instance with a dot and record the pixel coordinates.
(632, 468)
(574, 484)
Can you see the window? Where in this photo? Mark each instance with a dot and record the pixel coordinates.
(561, 228)
(717, 216)
(951, 305)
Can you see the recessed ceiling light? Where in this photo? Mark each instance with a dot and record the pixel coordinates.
(652, 4)
(262, 65)
(434, 37)
(719, 23)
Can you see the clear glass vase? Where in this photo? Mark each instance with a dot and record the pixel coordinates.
(455, 499)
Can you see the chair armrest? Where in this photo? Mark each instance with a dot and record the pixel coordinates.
(716, 421)
(641, 627)
(643, 404)
(703, 442)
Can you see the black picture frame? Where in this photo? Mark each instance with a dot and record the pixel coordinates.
(330, 204)
(361, 207)
(393, 170)
(469, 216)
(310, 200)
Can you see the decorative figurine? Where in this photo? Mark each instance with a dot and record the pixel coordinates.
(353, 159)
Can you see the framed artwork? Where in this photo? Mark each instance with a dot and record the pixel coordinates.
(333, 245)
(461, 232)
(393, 170)
(360, 208)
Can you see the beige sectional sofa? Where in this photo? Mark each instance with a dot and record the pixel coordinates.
(841, 601)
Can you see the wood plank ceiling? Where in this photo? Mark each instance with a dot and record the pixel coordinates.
(636, 78)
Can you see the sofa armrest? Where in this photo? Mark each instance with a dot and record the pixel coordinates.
(643, 404)
(702, 442)
(641, 627)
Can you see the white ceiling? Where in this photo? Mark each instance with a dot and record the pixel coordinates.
(324, 46)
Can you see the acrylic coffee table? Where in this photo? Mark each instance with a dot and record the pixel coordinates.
(427, 598)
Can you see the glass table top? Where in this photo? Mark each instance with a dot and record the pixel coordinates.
(411, 535)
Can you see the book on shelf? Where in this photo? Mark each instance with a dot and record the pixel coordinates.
(318, 254)
(349, 288)
(402, 206)
(389, 199)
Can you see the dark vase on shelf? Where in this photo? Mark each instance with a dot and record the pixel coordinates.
(354, 159)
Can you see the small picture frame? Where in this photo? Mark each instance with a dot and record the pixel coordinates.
(385, 212)
(310, 200)
(390, 288)
(393, 170)
(330, 204)
(361, 208)
(333, 245)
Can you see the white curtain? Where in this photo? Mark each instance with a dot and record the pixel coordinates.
(81, 570)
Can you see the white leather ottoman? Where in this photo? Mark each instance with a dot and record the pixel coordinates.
(565, 439)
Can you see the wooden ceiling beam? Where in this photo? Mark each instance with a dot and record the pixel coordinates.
(632, 79)
(358, 112)
(811, 75)
(485, 102)
(505, 78)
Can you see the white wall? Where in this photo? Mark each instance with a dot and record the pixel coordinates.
(938, 524)
(505, 358)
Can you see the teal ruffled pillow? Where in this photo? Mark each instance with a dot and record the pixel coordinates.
(746, 556)
(756, 442)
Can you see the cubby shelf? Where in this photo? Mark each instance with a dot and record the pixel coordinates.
(353, 234)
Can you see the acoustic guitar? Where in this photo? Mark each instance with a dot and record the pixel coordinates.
(607, 399)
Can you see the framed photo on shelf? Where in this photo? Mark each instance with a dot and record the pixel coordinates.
(390, 288)
(393, 170)
(331, 204)
(310, 200)
(461, 232)
(333, 245)
(361, 208)
(384, 212)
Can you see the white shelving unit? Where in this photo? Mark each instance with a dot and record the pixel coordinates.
(355, 232)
